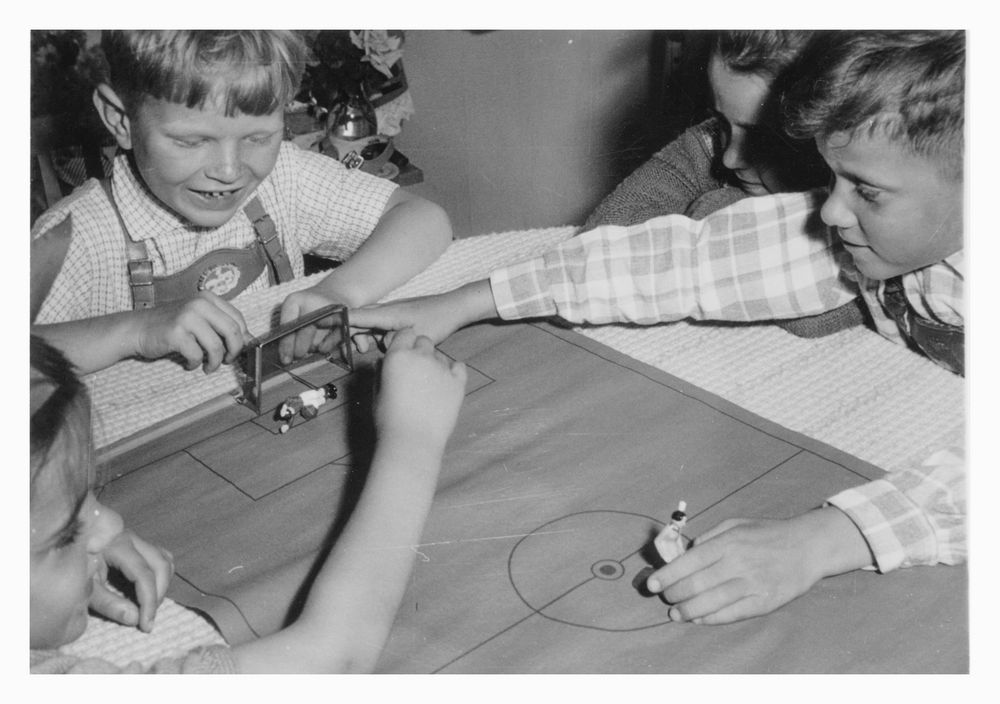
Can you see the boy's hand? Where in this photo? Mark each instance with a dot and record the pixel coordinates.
(148, 567)
(744, 568)
(317, 337)
(426, 316)
(205, 330)
(421, 391)
(435, 317)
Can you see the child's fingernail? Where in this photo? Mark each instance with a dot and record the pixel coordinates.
(675, 615)
(129, 617)
(653, 585)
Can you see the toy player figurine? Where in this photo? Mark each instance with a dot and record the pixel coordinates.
(306, 404)
(671, 543)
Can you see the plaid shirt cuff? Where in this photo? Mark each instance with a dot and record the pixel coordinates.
(522, 290)
(912, 517)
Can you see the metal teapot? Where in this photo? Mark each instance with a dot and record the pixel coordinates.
(352, 119)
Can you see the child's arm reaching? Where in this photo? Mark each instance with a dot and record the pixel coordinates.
(761, 259)
(353, 601)
(410, 235)
(435, 317)
(744, 568)
(205, 330)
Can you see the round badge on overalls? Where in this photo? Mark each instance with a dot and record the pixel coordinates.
(220, 279)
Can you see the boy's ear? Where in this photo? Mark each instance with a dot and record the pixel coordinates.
(112, 111)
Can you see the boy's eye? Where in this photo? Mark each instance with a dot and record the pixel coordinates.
(68, 535)
(261, 138)
(190, 143)
(866, 193)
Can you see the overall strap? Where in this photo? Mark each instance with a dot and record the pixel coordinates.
(267, 234)
(140, 267)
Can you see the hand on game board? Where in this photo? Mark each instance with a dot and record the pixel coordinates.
(148, 567)
(421, 391)
(435, 317)
(309, 339)
(205, 330)
(749, 567)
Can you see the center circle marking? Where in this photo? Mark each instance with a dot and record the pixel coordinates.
(607, 569)
(578, 585)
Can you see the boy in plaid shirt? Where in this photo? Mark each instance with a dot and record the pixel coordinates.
(206, 201)
(887, 112)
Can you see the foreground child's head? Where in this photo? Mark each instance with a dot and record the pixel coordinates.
(69, 528)
(745, 73)
(201, 111)
(887, 111)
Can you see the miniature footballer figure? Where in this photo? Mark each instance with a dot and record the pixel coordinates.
(305, 404)
(671, 543)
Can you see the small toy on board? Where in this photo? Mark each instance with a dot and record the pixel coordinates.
(306, 404)
(671, 543)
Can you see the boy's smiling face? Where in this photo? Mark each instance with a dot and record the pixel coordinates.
(895, 211)
(200, 163)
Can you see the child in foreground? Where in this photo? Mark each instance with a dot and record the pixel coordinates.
(207, 200)
(886, 110)
(353, 601)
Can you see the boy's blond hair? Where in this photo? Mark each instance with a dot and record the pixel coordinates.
(906, 85)
(253, 72)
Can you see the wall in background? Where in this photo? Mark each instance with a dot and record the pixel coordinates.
(525, 129)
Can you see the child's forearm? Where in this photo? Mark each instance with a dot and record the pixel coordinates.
(412, 233)
(436, 316)
(370, 565)
(353, 602)
(92, 344)
(471, 303)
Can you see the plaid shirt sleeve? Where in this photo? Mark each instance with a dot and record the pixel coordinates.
(915, 516)
(759, 259)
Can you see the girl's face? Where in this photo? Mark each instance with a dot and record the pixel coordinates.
(754, 151)
(69, 529)
(894, 210)
(200, 163)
